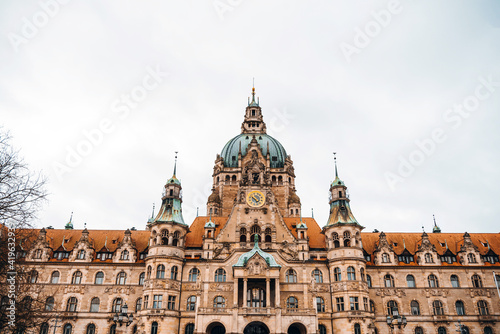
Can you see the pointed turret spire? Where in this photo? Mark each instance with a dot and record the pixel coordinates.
(436, 228)
(69, 225)
(175, 163)
(335, 161)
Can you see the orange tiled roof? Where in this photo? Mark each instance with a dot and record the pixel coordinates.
(97, 238)
(195, 236)
(439, 240)
(316, 239)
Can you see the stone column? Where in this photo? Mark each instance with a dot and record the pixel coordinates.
(245, 292)
(268, 292)
(235, 293)
(277, 302)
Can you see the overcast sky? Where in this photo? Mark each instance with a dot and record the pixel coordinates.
(100, 94)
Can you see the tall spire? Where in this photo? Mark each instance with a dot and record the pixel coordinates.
(175, 163)
(335, 160)
(436, 228)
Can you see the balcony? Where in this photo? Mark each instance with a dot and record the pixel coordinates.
(214, 310)
(300, 311)
(254, 311)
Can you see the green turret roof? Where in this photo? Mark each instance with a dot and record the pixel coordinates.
(242, 261)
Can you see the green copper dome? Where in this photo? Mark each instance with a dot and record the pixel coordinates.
(276, 150)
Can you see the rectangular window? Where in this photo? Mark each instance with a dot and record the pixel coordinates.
(171, 303)
(365, 304)
(146, 300)
(340, 304)
(157, 299)
(354, 303)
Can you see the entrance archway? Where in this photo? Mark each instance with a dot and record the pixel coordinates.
(297, 328)
(216, 328)
(256, 327)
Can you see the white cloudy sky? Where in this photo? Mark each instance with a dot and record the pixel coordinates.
(62, 74)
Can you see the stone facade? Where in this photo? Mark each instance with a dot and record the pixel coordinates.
(254, 265)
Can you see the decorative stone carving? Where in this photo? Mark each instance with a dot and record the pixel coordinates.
(289, 250)
(119, 290)
(220, 287)
(391, 292)
(436, 292)
(480, 293)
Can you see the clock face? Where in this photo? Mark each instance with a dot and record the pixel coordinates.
(255, 198)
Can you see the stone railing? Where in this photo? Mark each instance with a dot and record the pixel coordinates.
(300, 311)
(213, 310)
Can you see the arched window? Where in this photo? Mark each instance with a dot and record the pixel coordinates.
(362, 274)
(459, 307)
(268, 233)
(335, 238)
(255, 230)
(415, 307)
(476, 281)
(124, 255)
(482, 307)
(347, 239)
(142, 278)
(357, 329)
(149, 272)
(4, 302)
(428, 258)
(44, 328)
(81, 254)
(488, 330)
(138, 304)
(68, 329)
(392, 307)
(193, 275)
(112, 329)
(433, 281)
(385, 258)
(437, 307)
(410, 281)
(291, 276)
(292, 303)
(465, 329)
(54, 278)
(177, 236)
(117, 305)
(337, 274)
(72, 304)
(99, 277)
(160, 271)
(243, 234)
(94, 304)
(318, 275)
(322, 329)
(121, 278)
(388, 281)
(220, 275)
(77, 277)
(320, 304)
(219, 302)
(441, 330)
(154, 328)
(419, 330)
(191, 303)
(49, 304)
(173, 273)
(454, 281)
(471, 258)
(189, 329)
(369, 281)
(33, 276)
(90, 329)
(351, 274)
(372, 306)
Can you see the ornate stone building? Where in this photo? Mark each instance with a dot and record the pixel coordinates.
(254, 265)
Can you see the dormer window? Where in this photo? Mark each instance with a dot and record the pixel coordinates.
(81, 255)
